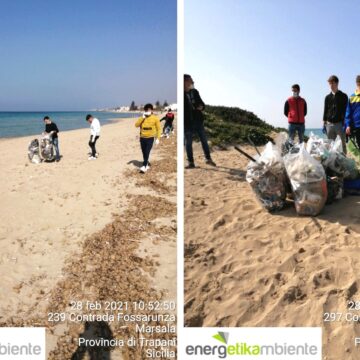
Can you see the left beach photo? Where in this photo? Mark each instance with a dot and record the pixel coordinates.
(88, 128)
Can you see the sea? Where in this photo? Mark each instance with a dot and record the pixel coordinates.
(16, 124)
(317, 132)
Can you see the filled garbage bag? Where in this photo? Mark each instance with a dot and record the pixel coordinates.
(308, 181)
(47, 149)
(339, 163)
(267, 178)
(283, 143)
(319, 148)
(335, 188)
(41, 149)
(34, 151)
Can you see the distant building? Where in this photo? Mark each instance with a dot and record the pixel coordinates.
(173, 107)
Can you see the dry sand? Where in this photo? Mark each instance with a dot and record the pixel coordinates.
(50, 210)
(246, 267)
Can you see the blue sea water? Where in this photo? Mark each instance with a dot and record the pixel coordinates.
(15, 124)
(317, 132)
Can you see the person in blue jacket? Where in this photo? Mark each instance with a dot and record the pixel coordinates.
(352, 117)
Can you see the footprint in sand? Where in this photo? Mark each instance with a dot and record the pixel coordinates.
(294, 293)
(248, 207)
(219, 223)
(323, 278)
(352, 290)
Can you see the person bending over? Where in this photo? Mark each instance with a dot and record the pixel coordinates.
(52, 129)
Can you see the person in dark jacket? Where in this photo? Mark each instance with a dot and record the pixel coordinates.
(52, 129)
(295, 110)
(334, 111)
(169, 119)
(194, 122)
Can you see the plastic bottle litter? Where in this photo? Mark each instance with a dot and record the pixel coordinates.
(308, 181)
(267, 178)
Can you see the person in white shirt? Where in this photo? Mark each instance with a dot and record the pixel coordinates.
(94, 134)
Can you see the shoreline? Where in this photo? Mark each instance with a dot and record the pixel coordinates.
(109, 122)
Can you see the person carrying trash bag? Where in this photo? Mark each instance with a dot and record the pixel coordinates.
(52, 130)
(267, 178)
(308, 181)
(150, 132)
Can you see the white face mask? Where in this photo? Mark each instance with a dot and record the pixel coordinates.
(295, 94)
(147, 113)
(192, 87)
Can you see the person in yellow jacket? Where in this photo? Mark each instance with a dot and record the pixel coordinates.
(150, 132)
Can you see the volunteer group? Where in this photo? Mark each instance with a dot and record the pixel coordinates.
(341, 113)
(150, 133)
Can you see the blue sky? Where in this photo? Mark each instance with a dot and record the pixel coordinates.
(248, 53)
(83, 54)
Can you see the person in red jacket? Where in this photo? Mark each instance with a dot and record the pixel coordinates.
(295, 110)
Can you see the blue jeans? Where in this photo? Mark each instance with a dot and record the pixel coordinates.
(297, 128)
(200, 131)
(146, 146)
(56, 144)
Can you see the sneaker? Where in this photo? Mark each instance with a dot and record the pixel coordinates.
(148, 167)
(143, 169)
(210, 162)
(92, 158)
(190, 166)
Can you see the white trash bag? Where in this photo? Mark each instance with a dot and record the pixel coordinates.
(267, 178)
(308, 181)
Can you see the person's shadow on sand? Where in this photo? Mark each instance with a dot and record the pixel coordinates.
(234, 174)
(94, 331)
(136, 163)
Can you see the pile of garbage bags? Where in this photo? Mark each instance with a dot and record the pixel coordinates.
(312, 173)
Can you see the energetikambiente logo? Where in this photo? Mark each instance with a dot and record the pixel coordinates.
(223, 348)
(22, 343)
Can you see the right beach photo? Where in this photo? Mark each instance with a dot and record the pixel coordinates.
(272, 168)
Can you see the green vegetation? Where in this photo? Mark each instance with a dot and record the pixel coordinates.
(231, 125)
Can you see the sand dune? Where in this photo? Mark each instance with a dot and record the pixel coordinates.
(246, 267)
(59, 219)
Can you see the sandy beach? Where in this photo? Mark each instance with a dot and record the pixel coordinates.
(246, 267)
(66, 226)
